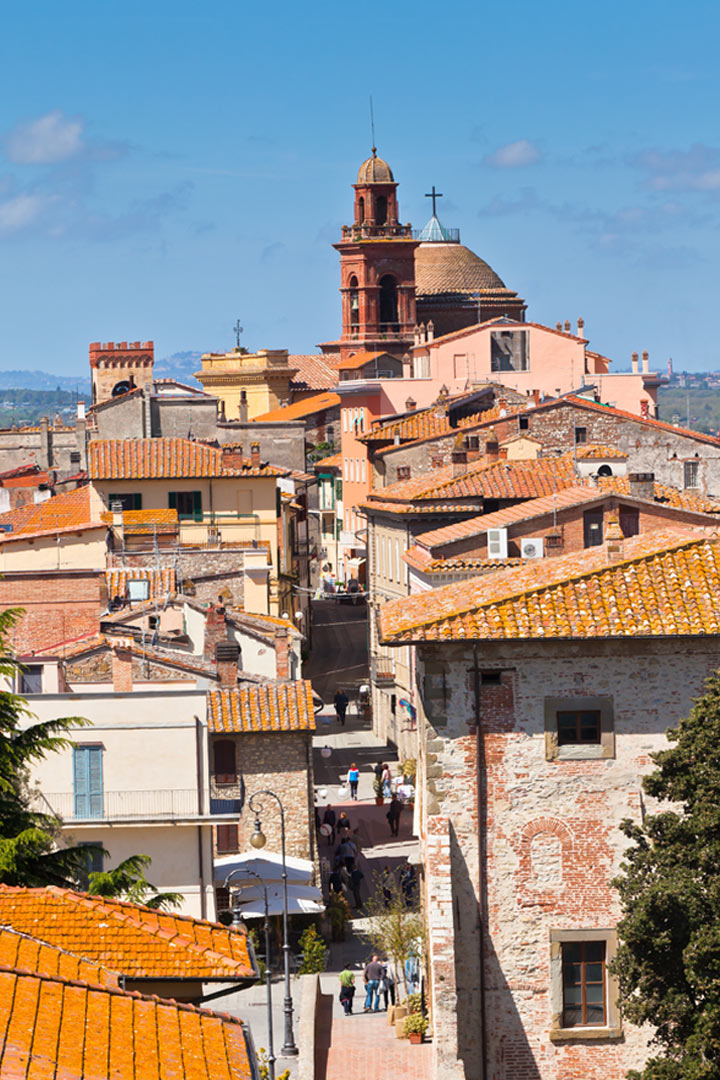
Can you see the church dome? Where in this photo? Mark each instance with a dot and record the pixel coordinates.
(375, 171)
(442, 269)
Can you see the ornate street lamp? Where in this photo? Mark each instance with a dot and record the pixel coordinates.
(237, 922)
(258, 840)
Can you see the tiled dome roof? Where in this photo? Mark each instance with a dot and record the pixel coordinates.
(375, 171)
(452, 268)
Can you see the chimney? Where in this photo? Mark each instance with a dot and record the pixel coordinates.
(634, 363)
(581, 327)
(214, 629)
(232, 455)
(646, 361)
(255, 455)
(614, 539)
(227, 653)
(492, 449)
(243, 407)
(410, 405)
(122, 669)
(417, 337)
(536, 397)
(642, 485)
(567, 326)
(645, 410)
(458, 456)
(558, 326)
(282, 653)
(431, 331)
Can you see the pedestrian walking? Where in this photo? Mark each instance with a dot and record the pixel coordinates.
(386, 884)
(386, 780)
(387, 985)
(347, 989)
(341, 703)
(371, 977)
(353, 779)
(393, 815)
(356, 880)
(343, 826)
(329, 818)
(336, 881)
(347, 852)
(378, 770)
(407, 884)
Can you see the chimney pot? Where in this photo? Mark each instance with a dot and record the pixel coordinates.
(642, 485)
(227, 654)
(646, 361)
(567, 326)
(634, 362)
(255, 454)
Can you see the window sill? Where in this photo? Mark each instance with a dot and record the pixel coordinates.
(585, 1034)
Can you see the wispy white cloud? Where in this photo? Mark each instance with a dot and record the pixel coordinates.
(696, 169)
(45, 141)
(22, 211)
(514, 155)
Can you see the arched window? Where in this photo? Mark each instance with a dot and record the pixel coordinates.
(604, 470)
(224, 758)
(361, 210)
(380, 210)
(388, 303)
(123, 387)
(354, 302)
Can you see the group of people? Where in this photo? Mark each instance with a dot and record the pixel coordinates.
(378, 979)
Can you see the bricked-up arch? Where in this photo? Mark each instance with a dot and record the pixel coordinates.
(537, 879)
(388, 303)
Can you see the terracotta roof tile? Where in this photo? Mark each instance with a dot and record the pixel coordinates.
(161, 582)
(358, 360)
(421, 559)
(595, 450)
(67, 1029)
(272, 707)
(664, 584)
(145, 521)
(60, 513)
(332, 462)
(316, 371)
(431, 423)
(663, 493)
(141, 459)
(24, 951)
(131, 939)
(300, 409)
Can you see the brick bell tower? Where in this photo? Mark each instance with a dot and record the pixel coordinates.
(377, 269)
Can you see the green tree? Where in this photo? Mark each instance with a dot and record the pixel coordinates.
(127, 881)
(395, 927)
(668, 963)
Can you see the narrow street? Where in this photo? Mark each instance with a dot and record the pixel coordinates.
(362, 1046)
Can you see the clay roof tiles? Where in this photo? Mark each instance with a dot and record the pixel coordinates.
(142, 459)
(300, 409)
(67, 1029)
(24, 951)
(314, 371)
(592, 451)
(134, 940)
(665, 584)
(60, 513)
(270, 707)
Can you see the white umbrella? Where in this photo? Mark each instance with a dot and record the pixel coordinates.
(302, 900)
(267, 866)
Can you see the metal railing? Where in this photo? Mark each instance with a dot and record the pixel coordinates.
(120, 805)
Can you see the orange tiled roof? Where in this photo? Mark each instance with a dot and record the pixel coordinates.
(270, 707)
(300, 409)
(421, 559)
(595, 450)
(62, 1028)
(358, 360)
(431, 423)
(130, 938)
(161, 582)
(24, 951)
(142, 459)
(145, 521)
(663, 493)
(332, 462)
(665, 584)
(67, 512)
(317, 371)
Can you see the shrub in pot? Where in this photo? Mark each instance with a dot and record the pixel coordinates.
(414, 1027)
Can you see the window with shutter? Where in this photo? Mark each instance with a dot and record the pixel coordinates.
(88, 781)
(187, 503)
(226, 839)
(224, 757)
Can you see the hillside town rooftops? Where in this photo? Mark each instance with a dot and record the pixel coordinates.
(68, 512)
(140, 459)
(663, 584)
(65, 1028)
(135, 940)
(279, 706)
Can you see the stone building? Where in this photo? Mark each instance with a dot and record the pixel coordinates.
(119, 367)
(533, 734)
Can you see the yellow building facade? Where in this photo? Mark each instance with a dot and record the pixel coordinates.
(247, 384)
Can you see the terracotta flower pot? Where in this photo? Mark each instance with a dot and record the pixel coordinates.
(416, 1037)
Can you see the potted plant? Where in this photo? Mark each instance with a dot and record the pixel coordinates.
(414, 1026)
(378, 789)
(409, 768)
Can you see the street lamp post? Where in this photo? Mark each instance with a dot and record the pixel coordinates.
(258, 840)
(236, 922)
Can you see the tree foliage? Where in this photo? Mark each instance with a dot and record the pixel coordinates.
(127, 880)
(395, 926)
(668, 964)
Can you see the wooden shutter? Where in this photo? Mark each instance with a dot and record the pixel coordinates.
(197, 505)
(172, 500)
(88, 781)
(227, 839)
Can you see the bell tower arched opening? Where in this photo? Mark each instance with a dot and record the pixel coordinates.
(354, 302)
(388, 304)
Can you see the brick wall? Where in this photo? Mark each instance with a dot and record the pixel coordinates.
(57, 607)
(537, 851)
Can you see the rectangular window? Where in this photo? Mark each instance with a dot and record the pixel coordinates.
(227, 839)
(580, 435)
(187, 503)
(523, 423)
(629, 521)
(397, 560)
(460, 365)
(31, 679)
(583, 975)
(94, 861)
(345, 419)
(592, 528)
(224, 760)
(364, 470)
(403, 472)
(578, 727)
(509, 350)
(127, 500)
(88, 781)
(691, 471)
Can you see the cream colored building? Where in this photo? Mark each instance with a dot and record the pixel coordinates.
(247, 384)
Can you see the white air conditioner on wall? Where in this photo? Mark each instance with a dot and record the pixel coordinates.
(532, 547)
(497, 544)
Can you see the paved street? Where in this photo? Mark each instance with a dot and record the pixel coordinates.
(339, 654)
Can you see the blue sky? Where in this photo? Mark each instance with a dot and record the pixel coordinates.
(165, 169)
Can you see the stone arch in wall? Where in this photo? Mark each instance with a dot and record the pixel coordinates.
(545, 849)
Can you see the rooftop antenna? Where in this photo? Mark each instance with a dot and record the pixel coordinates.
(372, 126)
(238, 331)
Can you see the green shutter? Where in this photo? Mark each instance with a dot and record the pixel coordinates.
(197, 505)
(137, 501)
(172, 500)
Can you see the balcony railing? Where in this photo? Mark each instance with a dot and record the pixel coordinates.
(383, 669)
(165, 805)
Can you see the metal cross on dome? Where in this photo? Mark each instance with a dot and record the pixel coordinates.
(434, 195)
(238, 331)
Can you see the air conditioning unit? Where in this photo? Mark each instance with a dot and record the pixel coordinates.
(532, 547)
(497, 544)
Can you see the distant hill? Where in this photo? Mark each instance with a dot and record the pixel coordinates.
(180, 365)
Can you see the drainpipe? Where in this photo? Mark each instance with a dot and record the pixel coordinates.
(201, 810)
(482, 883)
